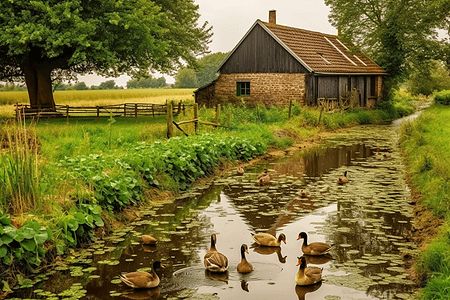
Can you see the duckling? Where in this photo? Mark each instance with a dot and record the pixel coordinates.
(342, 179)
(240, 170)
(307, 275)
(263, 173)
(303, 193)
(214, 260)
(141, 279)
(244, 266)
(264, 180)
(148, 239)
(316, 248)
(266, 239)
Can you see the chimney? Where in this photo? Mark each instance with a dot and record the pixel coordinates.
(273, 16)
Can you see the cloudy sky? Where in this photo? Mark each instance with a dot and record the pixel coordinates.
(231, 19)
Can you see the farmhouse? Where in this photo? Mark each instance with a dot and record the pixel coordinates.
(275, 64)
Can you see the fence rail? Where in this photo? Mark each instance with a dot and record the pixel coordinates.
(125, 109)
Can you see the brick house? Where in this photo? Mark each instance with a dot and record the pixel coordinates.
(274, 64)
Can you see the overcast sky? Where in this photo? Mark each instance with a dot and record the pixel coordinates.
(231, 19)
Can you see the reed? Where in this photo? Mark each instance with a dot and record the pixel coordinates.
(19, 178)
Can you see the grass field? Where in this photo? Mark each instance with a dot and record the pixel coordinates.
(427, 147)
(97, 97)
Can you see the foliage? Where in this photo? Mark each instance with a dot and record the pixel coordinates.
(427, 77)
(111, 37)
(77, 225)
(144, 83)
(204, 73)
(23, 244)
(20, 175)
(396, 34)
(426, 142)
(442, 97)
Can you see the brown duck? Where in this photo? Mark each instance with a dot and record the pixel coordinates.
(214, 260)
(342, 179)
(244, 266)
(266, 239)
(316, 248)
(307, 275)
(148, 239)
(141, 279)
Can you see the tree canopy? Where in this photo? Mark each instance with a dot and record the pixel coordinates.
(44, 40)
(397, 34)
(204, 73)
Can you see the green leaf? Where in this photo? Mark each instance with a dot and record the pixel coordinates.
(3, 251)
(80, 218)
(5, 220)
(28, 245)
(72, 224)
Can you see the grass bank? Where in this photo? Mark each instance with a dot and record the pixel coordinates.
(85, 172)
(426, 143)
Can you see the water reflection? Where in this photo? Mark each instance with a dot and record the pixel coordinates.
(301, 291)
(268, 251)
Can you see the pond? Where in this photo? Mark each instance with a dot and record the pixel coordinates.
(368, 221)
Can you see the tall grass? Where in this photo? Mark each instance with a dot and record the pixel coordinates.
(427, 146)
(19, 178)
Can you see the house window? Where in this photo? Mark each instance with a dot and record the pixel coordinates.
(243, 89)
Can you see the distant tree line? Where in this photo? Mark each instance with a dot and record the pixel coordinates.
(204, 72)
(12, 87)
(145, 83)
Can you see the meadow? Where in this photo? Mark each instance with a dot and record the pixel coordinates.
(97, 97)
(426, 142)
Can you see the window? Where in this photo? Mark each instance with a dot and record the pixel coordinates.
(243, 89)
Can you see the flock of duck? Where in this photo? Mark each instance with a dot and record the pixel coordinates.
(217, 262)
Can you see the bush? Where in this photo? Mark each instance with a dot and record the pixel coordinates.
(442, 97)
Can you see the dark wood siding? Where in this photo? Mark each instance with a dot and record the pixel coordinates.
(260, 53)
(328, 86)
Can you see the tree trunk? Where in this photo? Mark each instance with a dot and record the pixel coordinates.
(39, 85)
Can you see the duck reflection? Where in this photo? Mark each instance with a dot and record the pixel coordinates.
(301, 291)
(149, 248)
(142, 293)
(318, 259)
(269, 250)
(217, 276)
(244, 285)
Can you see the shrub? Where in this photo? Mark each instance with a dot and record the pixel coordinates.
(442, 97)
(22, 244)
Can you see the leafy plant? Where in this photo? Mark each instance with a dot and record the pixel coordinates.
(442, 97)
(24, 244)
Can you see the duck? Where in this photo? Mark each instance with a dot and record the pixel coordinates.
(263, 173)
(264, 180)
(303, 193)
(142, 279)
(244, 266)
(240, 170)
(387, 155)
(307, 275)
(316, 248)
(148, 239)
(214, 260)
(266, 239)
(342, 179)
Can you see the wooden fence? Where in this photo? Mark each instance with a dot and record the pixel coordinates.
(125, 109)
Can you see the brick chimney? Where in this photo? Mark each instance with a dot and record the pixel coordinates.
(273, 16)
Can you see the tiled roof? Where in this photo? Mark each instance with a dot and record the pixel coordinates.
(323, 53)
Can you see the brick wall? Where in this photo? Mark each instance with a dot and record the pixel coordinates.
(265, 88)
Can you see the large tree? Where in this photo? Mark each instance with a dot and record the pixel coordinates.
(44, 40)
(395, 33)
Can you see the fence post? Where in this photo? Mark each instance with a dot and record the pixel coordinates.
(184, 109)
(290, 109)
(124, 109)
(179, 108)
(217, 113)
(67, 113)
(98, 112)
(17, 110)
(135, 112)
(169, 120)
(195, 117)
(153, 110)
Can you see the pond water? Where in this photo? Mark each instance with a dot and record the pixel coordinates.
(368, 221)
